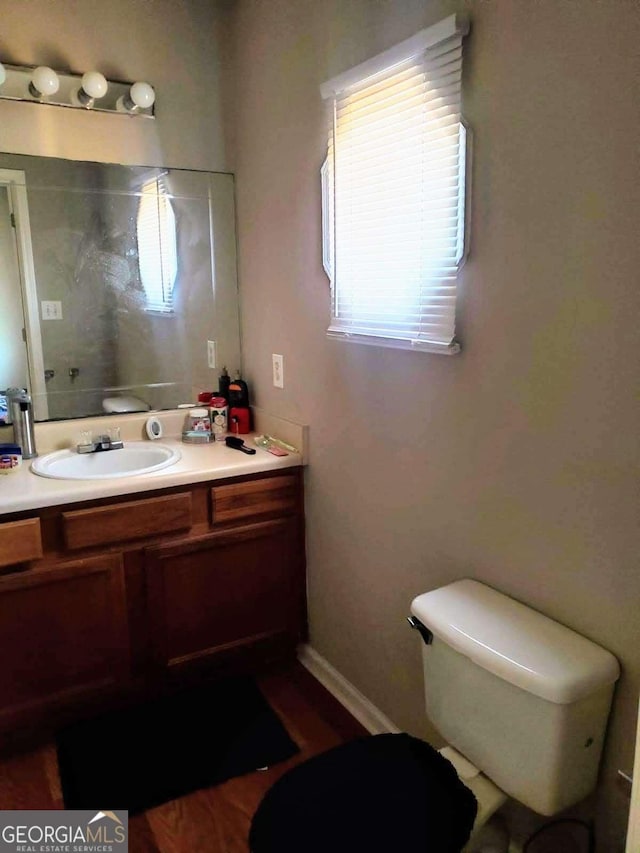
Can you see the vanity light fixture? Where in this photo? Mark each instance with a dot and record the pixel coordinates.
(90, 91)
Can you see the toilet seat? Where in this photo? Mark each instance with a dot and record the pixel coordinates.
(378, 793)
(488, 795)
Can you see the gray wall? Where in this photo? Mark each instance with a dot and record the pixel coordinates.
(517, 462)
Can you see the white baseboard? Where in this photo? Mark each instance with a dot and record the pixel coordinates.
(633, 833)
(349, 696)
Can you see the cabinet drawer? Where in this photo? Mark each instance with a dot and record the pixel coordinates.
(20, 541)
(239, 501)
(107, 525)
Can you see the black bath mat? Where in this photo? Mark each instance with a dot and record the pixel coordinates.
(141, 757)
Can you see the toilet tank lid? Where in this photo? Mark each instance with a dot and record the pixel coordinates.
(516, 643)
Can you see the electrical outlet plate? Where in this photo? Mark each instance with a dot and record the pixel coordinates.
(211, 353)
(278, 370)
(51, 310)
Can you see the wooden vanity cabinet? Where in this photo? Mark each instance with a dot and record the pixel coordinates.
(121, 598)
(63, 637)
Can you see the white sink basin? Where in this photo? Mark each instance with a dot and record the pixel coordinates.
(136, 457)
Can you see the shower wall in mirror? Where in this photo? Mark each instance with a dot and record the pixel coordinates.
(113, 281)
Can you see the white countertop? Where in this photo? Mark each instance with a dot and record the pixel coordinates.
(23, 490)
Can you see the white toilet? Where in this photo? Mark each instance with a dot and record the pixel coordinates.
(522, 700)
(120, 405)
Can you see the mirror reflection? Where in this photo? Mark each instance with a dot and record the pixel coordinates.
(118, 284)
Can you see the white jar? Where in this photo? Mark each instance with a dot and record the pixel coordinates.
(198, 420)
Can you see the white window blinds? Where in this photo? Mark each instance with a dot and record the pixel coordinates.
(157, 246)
(396, 177)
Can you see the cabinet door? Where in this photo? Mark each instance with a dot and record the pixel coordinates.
(216, 596)
(63, 637)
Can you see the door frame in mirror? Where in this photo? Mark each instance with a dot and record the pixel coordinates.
(15, 182)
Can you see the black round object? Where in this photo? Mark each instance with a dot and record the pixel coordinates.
(378, 794)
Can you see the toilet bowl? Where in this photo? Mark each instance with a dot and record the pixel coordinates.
(488, 796)
(121, 405)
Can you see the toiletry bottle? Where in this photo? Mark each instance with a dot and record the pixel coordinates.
(239, 420)
(218, 410)
(239, 412)
(239, 392)
(223, 384)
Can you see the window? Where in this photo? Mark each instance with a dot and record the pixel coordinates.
(157, 246)
(394, 187)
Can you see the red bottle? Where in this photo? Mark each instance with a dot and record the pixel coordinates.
(239, 421)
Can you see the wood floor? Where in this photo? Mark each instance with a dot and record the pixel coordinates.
(215, 820)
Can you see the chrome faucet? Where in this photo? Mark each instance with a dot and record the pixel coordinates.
(108, 441)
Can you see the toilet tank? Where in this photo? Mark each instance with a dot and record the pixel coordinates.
(522, 697)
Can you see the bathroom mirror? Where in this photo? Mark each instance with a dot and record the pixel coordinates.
(118, 284)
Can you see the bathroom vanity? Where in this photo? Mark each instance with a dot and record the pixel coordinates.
(116, 589)
(193, 572)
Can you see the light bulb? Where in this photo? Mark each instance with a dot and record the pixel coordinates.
(94, 85)
(142, 95)
(3, 74)
(44, 81)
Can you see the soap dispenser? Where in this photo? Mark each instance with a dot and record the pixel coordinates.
(239, 392)
(224, 380)
(239, 412)
(21, 414)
